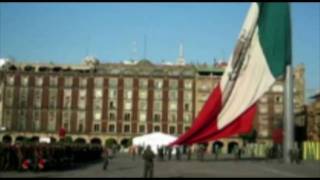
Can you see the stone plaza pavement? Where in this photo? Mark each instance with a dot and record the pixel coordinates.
(124, 166)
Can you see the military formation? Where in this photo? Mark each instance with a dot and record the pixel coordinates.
(42, 156)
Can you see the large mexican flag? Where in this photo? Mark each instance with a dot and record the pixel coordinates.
(261, 54)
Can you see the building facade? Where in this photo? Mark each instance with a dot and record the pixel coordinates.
(98, 100)
(119, 101)
(313, 127)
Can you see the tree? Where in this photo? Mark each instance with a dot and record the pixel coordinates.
(110, 142)
(250, 137)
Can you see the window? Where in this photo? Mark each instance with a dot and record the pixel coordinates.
(278, 99)
(128, 94)
(173, 117)
(188, 84)
(157, 94)
(186, 107)
(53, 81)
(173, 95)
(158, 83)
(277, 88)
(112, 93)
(263, 120)
(173, 106)
(97, 116)
(67, 102)
(52, 116)
(112, 105)
(24, 81)
(66, 125)
(98, 82)
(68, 82)
(23, 97)
(143, 83)
(82, 93)
(127, 105)
(111, 128)
(126, 128)
(141, 128)
(10, 80)
(39, 81)
(263, 109)
(173, 84)
(36, 115)
(98, 104)
(82, 103)
(81, 116)
(278, 108)
(128, 83)
(80, 128)
(112, 116)
(187, 96)
(127, 116)
(264, 99)
(143, 94)
(37, 97)
(156, 128)
(96, 128)
(113, 82)
(98, 93)
(143, 105)
(83, 82)
(9, 96)
(172, 130)
(53, 93)
(156, 118)
(142, 117)
(157, 105)
(66, 116)
(187, 118)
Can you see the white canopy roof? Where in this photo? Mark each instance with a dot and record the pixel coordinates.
(155, 140)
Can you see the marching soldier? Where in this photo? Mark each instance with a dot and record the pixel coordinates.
(106, 158)
(189, 153)
(148, 157)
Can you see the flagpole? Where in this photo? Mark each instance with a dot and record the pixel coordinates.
(288, 105)
(288, 115)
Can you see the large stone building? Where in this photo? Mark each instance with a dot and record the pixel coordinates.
(313, 127)
(95, 101)
(270, 106)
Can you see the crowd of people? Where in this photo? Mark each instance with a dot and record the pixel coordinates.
(42, 156)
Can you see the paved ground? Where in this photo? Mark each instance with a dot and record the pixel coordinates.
(124, 166)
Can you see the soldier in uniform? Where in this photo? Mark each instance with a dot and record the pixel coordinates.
(20, 156)
(189, 153)
(169, 153)
(201, 152)
(148, 157)
(178, 153)
(105, 156)
(2, 155)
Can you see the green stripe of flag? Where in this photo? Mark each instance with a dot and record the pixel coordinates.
(275, 35)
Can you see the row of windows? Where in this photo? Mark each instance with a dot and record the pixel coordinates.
(53, 93)
(99, 81)
(81, 116)
(264, 109)
(96, 127)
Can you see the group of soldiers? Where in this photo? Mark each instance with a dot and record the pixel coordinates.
(41, 157)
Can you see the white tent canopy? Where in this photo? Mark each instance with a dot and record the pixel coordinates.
(155, 140)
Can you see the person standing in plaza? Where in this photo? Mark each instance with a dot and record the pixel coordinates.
(105, 156)
(189, 153)
(148, 157)
(178, 153)
(169, 153)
